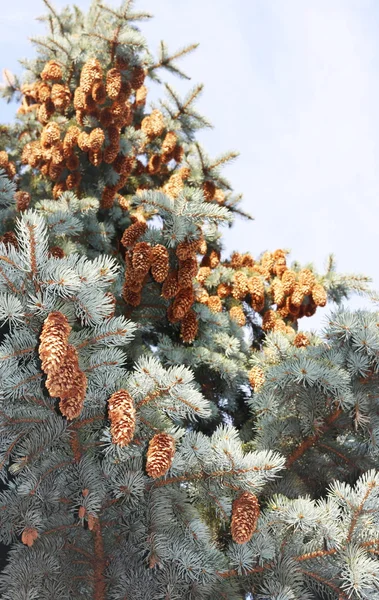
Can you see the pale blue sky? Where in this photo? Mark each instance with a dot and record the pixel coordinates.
(294, 87)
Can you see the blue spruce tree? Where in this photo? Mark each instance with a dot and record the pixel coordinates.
(165, 430)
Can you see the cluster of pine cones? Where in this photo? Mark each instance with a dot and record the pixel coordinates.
(262, 284)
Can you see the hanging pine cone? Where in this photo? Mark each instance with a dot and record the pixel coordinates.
(45, 111)
(29, 536)
(297, 295)
(50, 135)
(60, 96)
(189, 327)
(52, 71)
(154, 164)
(141, 258)
(319, 295)
(187, 249)
(160, 263)
(99, 93)
(141, 95)
(91, 73)
(10, 238)
(245, 514)
(236, 260)
(138, 77)
(278, 293)
(54, 341)
(202, 274)
(169, 143)
(247, 260)
(153, 125)
(214, 304)
(170, 286)
(202, 296)
(240, 285)
(269, 320)
(288, 281)
(187, 271)
(69, 384)
(256, 377)
(96, 139)
(183, 302)
(174, 185)
(95, 158)
(43, 92)
(22, 200)
(113, 83)
(56, 252)
(268, 261)
(160, 455)
(124, 164)
(223, 289)
(130, 297)
(301, 340)
(209, 190)
(236, 313)
(122, 415)
(84, 141)
(307, 280)
(132, 233)
(257, 293)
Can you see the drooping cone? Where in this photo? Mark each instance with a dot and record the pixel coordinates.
(319, 295)
(187, 249)
(240, 285)
(160, 263)
(245, 513)
(54, 342)
(256, 378)
(307, 280)
(301, 340)
(288, 281)
(132, 233)
(236, 313)
(122, 415)
(51, 71)
(141, 258)
(183, 302)
(160, 454)
(29, 535)
(189, 327)
(69, 384)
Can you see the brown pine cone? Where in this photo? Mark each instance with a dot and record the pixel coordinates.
(245, 514)
(122, 415)
(189, 327)
(160, 455)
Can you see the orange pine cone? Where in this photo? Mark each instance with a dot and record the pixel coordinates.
(130, 297)
(319, 295)
(122, 415)
(54, 341)
(141, 258)
(236, 313)
(236, 260)
(52, 71)
(91, 73)
(202, 274)
(187, 271)
(214, 304)
(169, 143)
(307, 280)
(288, 281)
(187, 249)
(257, 293)
(43, 92)
(160, 263)
(174, 185)
(22, 200)
(113, 84)
(256, 378)
(201, 295)
(50, 135)
(153, 125)
(269, 320)
(189, 327)
(132, 233)
(29, 535)
(170, 286)
(160, 455)
(60, 96)
(154, 164)
(301, 340)
(278, 293)
(240, 285)
(96, 139)
(183, 302)
(137, 78)
(99, 94)
(209, 190)
(297, 295)
(245, 514)
(223, 289)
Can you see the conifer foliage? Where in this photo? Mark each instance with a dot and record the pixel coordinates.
(165, 429)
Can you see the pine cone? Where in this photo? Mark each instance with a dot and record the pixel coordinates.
(301, 340)
(278, 293)
(240, 285)
(22, 200)
(288, 281)
(319, 295)
(110, 153)
(95, 158)
(153, 125)
(247, 260)
(52, 71)
(257, 293)
(29, 535)
(202, 274)
(132, 233)
(130, 297)
(154, 164)
(269, 320)
(124, 164)
(60, 96)
(122, 415)
(56, 252)
(141, 95)
(223, 289)
(91, 73)
(236, 260)
(183, 302)
(187, 271)
(43, 92)
(307, 280)
(113, 85)
(50, 135)
(45, 111)
(214, 304)
(141, 258)
(170, 286)
(160, 263)
(84, 141)
(174, 185)
(189, 327)
(10, 238)
(54, 341)
(236, 313)
(187, 249)
(245, 514)
(256, 378)
(209, 190)
(202, 296)
(96, 139)
(99, 93)
(297, 295)
(159, 455)
(169, 143)
(137, 78)
(268, 261)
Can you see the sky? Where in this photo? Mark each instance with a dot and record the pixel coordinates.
(293, 86)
